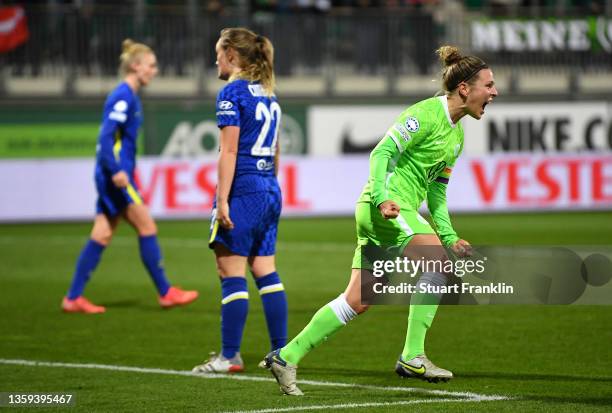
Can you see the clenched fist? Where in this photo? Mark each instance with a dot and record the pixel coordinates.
(389, 209)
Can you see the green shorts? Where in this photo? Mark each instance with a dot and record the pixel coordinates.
(374, 230)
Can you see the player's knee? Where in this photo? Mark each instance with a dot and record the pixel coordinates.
(228, 270)
(102, 236)
(147, 228)
(437, 261)
(356, 305)
(262, 269)
(360, 308)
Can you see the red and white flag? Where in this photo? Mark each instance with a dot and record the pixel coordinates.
(13, 28)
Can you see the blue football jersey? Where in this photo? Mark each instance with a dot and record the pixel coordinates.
(121, 120)
(244, 104)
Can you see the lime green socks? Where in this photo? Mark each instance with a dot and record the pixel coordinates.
(423, 307)
(329, 319)
(419, 320)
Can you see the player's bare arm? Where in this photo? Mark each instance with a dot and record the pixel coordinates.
(121, 180)
(227, 166)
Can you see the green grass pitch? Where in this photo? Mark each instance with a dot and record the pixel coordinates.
(541, 358)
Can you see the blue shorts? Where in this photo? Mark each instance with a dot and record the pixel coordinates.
(112, 200)
(255, 217)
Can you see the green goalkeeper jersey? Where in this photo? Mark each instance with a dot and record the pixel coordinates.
(413, 162)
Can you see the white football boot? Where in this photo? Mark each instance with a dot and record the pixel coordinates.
(422, 368)
(284, 374)
(219, 364)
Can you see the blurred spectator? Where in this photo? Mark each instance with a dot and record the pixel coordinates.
(270, 6)
(214, 12)
(589, 7)
(314, 6)
(30, 54)
(425, 38)
(170, 31)
(113, 21)
(369, 33)
(77, 32)
(280, 30)
(312, 28)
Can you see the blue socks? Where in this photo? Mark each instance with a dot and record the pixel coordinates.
(152, 259)
(274, 302)
(90, 257)
(234, 310)
(235, 307)
(87, 262)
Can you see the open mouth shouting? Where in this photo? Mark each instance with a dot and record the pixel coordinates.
(483, 108)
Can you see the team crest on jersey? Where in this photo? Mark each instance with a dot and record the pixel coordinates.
(412, 124)
(120, 106)
(225, 105)
(118, 112)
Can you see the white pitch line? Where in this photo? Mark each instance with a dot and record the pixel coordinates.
(177, 242)
(352, 405)
(469, 396)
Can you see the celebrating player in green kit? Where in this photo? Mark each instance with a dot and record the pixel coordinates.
(411, 164)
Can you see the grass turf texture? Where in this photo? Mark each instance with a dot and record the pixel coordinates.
(545, 357)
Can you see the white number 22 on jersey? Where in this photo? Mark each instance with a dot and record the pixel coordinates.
(262, 113)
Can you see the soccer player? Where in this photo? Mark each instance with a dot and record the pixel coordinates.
(117, 193)
(411, 164)
(248, 198)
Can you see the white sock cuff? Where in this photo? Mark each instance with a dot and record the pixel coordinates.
(432, 278)
(342, 309)
(238, 295)
(274, 288)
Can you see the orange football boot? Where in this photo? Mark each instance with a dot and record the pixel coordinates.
(175, 296)
(81, 305)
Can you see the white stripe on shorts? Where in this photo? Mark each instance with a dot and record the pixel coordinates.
(404, 225)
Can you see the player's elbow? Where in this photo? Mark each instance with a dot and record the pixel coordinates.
(379, 153)
(229, 152)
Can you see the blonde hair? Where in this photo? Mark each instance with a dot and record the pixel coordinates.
(255, 53)
(458, 68)
(131, 53)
